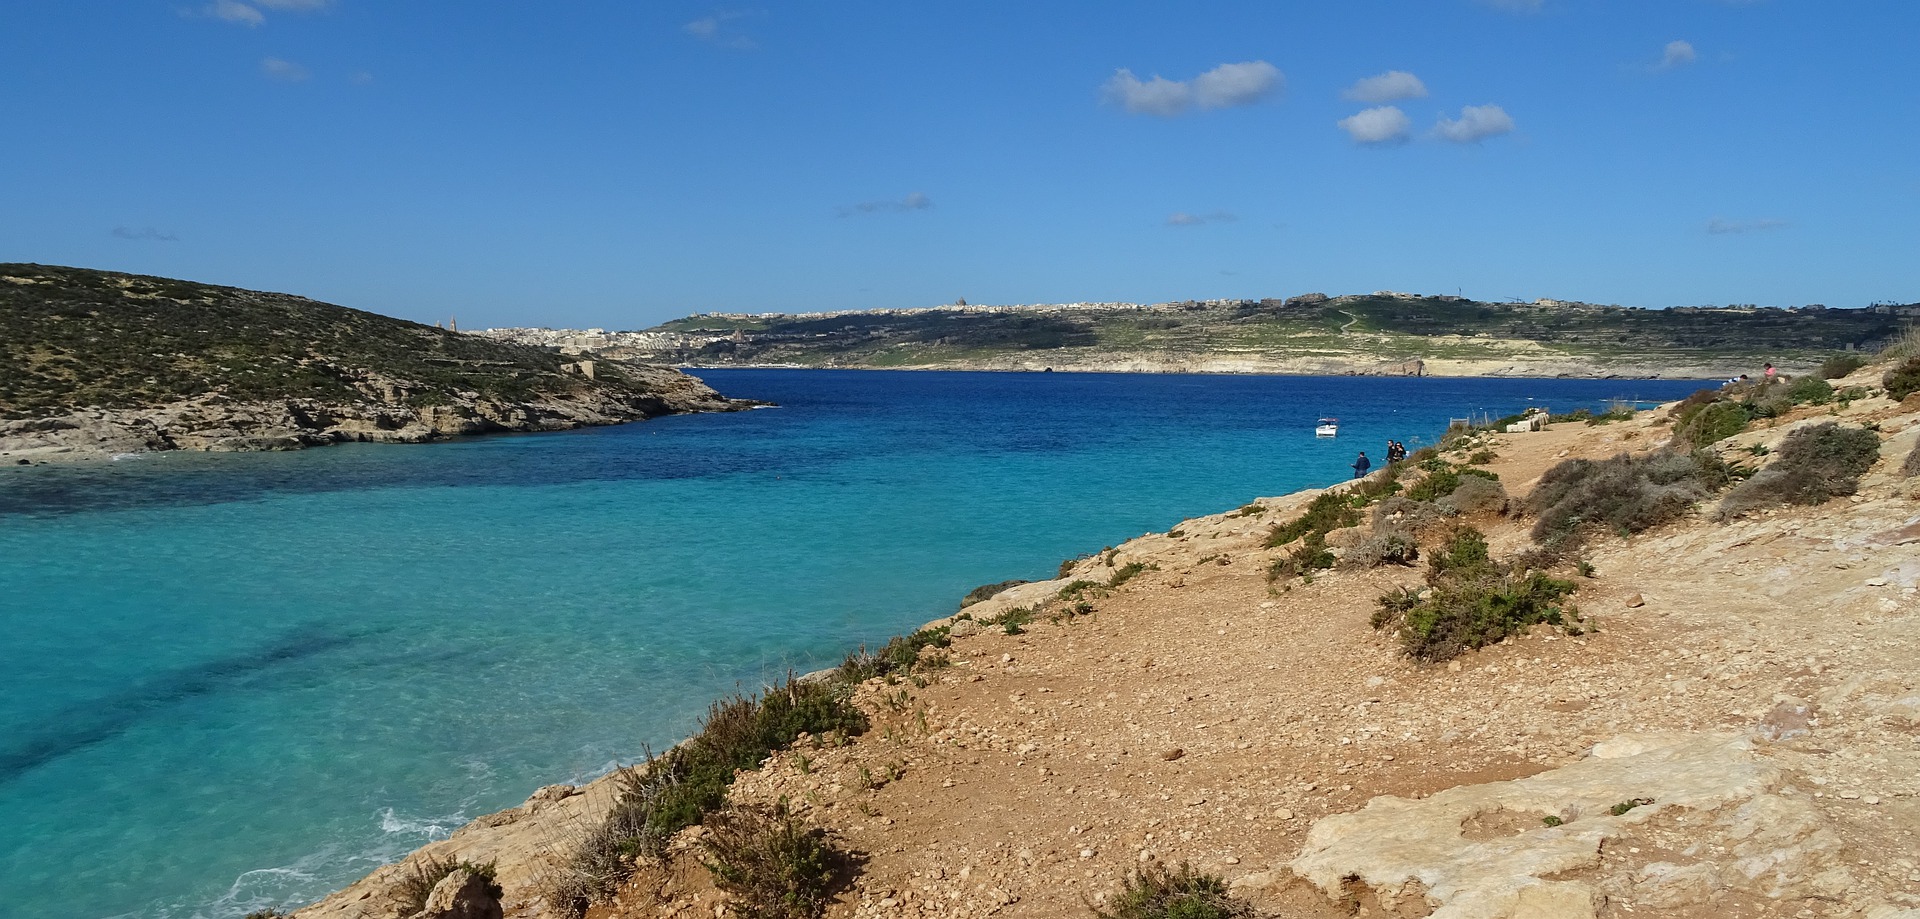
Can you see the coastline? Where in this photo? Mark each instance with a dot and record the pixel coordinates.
(1197, 767)
(216, 424)
(1445, 368)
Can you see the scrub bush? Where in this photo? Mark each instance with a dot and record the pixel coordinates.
(1810, 390)
(1154, 892)
(770, 864)
(1840, 365)
(1812, 464)
(1475, 494)
(1623, 495)
(1713, 422)
(1902, 381)
(679, 789)
(1472, 601)
(899, 655)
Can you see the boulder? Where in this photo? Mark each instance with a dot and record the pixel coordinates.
(463, 894)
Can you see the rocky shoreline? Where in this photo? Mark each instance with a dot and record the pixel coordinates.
(1740, 737)
(217, 424)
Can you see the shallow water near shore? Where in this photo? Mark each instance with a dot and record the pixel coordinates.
(235, 682)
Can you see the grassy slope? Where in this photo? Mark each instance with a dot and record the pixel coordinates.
(76, 337)
(1382, 328)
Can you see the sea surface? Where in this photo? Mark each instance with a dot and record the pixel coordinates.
(242, 681)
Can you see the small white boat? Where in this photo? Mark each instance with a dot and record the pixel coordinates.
(1328, 427)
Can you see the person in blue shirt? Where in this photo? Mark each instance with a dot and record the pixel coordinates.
(1361, 465)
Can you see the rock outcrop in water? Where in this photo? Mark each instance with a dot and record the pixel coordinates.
(96, 363)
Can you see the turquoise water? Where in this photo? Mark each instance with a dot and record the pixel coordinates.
(234, 682)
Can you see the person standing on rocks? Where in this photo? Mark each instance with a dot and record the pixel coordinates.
(1361, 465)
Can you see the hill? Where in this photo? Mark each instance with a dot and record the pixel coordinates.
(1712, 716)
(97, 361)
(1381, 333)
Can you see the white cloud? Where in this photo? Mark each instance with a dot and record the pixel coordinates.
(1391, 86)
(1476, 123)
(1720, 226)
(1384, 124)
(246, 14)
(234, 11)
(1183, 219)
(1158, 96)
(1677, 54)
(913, 202)
(714, 30)
(1224, 86)
(287, 71)
(1229, 85)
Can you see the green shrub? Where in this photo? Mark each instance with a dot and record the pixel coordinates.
(1840, 365)
(1154, 892)
(1311, 554)
(1714, 422)
(1014, 621)
(898, 656)
(1472, 601)
(1128, 572)
(1622, 495)
(770, 864)
(1813, 464)
(1076, 588)
(986, 591)
(1810, 391)
(679, 789)
(1902, 381)
(1328, 511)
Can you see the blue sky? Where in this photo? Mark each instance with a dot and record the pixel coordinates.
(617, 164)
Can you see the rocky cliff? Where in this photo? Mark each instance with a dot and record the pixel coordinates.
(95, 363)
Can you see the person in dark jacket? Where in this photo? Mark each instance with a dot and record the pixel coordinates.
(1361, 465)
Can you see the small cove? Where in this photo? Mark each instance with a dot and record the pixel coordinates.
(234, 682)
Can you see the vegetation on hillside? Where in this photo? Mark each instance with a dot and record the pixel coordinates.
(1389, 328)
(73, 338)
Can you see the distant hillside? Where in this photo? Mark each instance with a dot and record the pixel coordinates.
(1378, 333)
(264, 370)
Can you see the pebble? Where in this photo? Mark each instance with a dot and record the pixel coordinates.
(1173, 754)
(1086, 853)
(1876, 582)
(1283, 814)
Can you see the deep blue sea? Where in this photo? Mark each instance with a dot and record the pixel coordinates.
(242, 681)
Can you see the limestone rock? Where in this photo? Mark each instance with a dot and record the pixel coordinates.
(462, 894)
(1779, 845)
